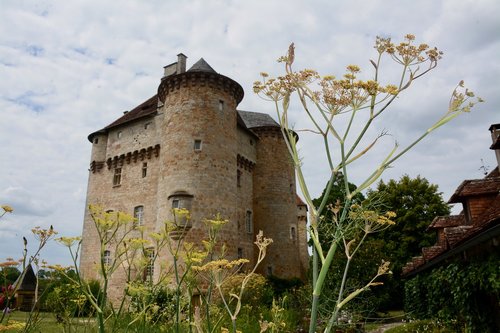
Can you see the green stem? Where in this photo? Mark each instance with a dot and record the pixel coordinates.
(319, 284)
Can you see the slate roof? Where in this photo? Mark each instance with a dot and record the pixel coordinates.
(201, 66)
(145, 109)
(256, 119)
(28, 282)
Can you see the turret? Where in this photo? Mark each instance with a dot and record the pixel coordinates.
(199, 134)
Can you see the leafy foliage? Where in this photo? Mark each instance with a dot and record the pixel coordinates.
(466, 292)
(416, 203)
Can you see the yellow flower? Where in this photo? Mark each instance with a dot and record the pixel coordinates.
(9, 263)
(68, 241)
(7, 208)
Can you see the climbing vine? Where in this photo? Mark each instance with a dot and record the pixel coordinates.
(465, 294)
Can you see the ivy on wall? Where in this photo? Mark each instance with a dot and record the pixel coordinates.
(465, 294)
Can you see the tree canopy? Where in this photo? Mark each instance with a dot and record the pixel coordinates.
(416, 203)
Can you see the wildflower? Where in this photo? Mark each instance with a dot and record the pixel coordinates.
(383, 268)
(9, 263)
(68, 241)
(7, 209)
(43, 235)
(262, 242)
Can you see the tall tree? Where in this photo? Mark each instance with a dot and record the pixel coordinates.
(416, 203)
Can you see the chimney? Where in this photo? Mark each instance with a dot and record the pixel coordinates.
(181, 63)
(495, 137)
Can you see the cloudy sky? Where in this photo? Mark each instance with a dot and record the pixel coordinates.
(68, 68)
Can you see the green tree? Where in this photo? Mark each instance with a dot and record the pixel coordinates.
(8, 275)
(416, 203)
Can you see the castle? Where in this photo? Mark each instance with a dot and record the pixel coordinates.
(189, 147)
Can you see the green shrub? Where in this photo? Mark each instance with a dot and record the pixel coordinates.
(465, 292)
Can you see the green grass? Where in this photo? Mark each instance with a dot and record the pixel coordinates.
(46, 323)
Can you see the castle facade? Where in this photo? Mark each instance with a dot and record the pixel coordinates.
(189, 147)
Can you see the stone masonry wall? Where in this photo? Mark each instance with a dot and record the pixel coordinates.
(275, 207)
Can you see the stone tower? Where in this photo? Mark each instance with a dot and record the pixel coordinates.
(189, 147)
(199, 136)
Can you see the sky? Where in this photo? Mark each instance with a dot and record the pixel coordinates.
(69, 68)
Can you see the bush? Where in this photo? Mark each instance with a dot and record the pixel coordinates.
(156, 303)
(66, 300)
(257, 292)
(466, 292)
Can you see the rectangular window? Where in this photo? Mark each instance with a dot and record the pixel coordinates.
(248, 222)
(240, 253)
(197, 145)
(117, 177)
(144, 169)
(176, 203)
(96, 140)
(106, 257)
(238, 177)
(119, 134)
(221, 105)
(139, 215)
(293, 234)
(150, 266)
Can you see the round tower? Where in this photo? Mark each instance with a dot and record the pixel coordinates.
(199, 145)
(275, 205)
(99, 142)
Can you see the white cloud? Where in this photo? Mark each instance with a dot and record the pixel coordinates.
(70, 68)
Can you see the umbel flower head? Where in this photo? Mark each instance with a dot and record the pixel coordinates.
(7, 209)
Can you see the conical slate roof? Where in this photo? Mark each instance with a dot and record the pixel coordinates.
(201, 66)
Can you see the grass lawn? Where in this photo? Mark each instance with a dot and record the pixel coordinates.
(46, 323)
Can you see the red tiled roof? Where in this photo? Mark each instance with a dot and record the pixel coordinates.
(432, 251)
(476, 187)
(447, 221)
(455, 234)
